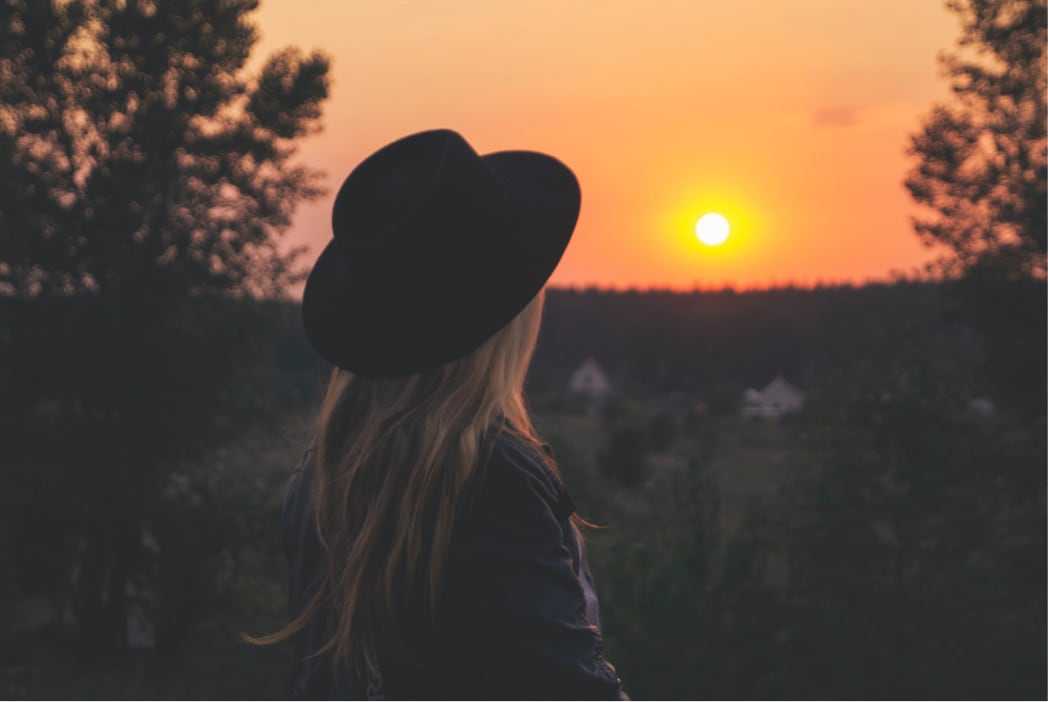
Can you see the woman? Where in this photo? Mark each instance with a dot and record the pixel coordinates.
(433, 549)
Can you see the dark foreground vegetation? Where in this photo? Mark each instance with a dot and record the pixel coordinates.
(887, 540)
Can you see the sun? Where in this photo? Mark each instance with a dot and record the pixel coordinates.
(712, 229)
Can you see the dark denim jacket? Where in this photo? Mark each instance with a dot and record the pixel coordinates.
(520, 615)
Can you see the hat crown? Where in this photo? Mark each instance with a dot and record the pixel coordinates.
(421, 192)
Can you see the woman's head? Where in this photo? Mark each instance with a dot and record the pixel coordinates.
(435, 248)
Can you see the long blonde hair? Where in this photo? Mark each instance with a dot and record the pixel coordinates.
(393, 457)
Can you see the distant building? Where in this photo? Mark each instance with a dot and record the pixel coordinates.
(589, 380)
(982, 407)
(779, 397)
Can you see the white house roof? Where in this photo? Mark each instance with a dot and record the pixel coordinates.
(780, 391)
(589, 379)
(777, 398)
(753, 396)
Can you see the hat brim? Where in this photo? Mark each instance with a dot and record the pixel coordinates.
(347, 328)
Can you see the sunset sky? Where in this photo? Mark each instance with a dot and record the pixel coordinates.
(788, 117)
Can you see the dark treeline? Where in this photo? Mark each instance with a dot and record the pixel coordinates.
(709, 343)
(714, 344)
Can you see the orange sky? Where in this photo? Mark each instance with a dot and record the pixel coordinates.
(789, 117)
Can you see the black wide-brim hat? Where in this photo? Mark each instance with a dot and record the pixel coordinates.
(435, 249)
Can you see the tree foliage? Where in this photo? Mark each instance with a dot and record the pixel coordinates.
(139, 153)
(981, 158)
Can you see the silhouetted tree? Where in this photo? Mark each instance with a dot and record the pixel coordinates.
(145, 179)
(981, 172)
(981, 157)
(140, 157)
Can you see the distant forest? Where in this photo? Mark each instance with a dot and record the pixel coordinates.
(714, 344)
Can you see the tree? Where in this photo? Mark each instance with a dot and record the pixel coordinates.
(145, 181)
(981, 159)
(141, 154)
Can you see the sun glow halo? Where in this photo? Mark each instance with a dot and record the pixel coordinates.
(712, 229)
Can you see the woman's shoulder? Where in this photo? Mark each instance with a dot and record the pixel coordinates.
(514, 473)
(528, 458)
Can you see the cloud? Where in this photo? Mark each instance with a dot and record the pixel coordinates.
(835, 117)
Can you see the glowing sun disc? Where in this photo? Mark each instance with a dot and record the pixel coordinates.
(712, 229)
